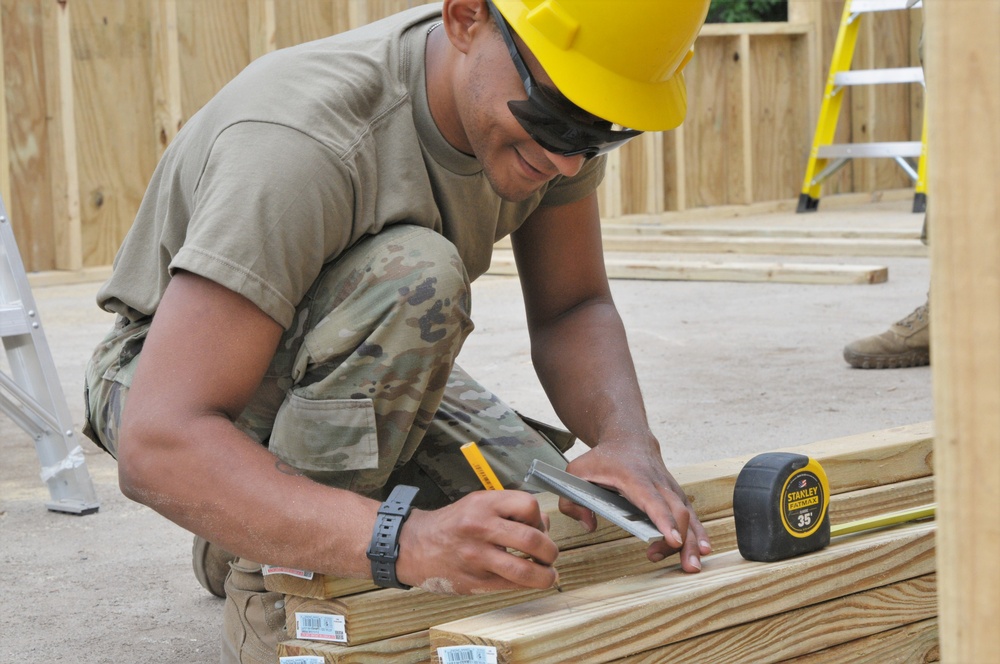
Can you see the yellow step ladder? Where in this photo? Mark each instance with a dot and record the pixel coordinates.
(827, 157)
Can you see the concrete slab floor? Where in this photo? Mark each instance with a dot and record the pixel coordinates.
(727, 369)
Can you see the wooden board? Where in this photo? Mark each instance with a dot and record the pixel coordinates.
(613, 620)
(808, 629)
(747, 230)
(407, 649)
(25, 143)
(384, 613)
(61, 277)
(908, 644)
(564, 531)
(963, 81)
(672, 270)
(771, 246)
(116, 151)
(853, 463)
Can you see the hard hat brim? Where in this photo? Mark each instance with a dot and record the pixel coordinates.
(642, 105)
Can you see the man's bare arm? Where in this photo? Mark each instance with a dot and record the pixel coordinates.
(580, 351)
(180, 453)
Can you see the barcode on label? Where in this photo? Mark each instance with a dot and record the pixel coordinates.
(267, 570)
(320, 627)
(467, 655)
(301, 659)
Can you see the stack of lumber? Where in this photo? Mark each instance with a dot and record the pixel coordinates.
(646, 235)
(866, 593)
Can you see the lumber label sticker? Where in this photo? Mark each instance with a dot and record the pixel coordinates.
(802, 503)
(268, 570)
(301, 659)
(467, 655)
(320, 627)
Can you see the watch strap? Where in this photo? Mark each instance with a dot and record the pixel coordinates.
(383, 551)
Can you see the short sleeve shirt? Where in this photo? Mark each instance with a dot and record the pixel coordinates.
(305, 152)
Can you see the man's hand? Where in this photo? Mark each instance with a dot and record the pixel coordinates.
(487, 541)
(637, 472)
(580, 352)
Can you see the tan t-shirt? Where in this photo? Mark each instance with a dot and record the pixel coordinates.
(305, 152)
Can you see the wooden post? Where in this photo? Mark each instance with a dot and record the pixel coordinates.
(67, 220)
(166, 73)
(4, 143)
(262, 27)
(963, 86)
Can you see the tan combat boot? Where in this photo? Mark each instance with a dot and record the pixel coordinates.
(211, 565)
(905, 344)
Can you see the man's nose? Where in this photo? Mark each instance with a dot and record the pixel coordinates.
(567, 166)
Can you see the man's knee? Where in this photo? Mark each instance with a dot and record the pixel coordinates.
(427, 272)
(403, 289)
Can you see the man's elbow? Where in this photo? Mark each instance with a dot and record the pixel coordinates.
(133, 471)
(140, 463)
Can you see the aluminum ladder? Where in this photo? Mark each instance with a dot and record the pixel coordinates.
(827, 157)
(31, 394)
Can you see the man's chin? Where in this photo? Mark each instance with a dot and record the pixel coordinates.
(511, 193)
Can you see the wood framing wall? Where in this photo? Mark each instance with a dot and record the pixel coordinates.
(963, 84)
(96, 89)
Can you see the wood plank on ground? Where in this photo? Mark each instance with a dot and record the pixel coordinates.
(502, 263)
(616, 619)
(765, 245)
(759, 244)
(807, 629)
(747, 230)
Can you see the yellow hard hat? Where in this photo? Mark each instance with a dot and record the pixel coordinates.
(620, 60)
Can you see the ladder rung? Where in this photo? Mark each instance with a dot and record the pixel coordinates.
(12, 321)
(856, 150)
(865, 6)
(876, 76)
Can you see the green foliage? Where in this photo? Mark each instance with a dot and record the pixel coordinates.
(747, 11)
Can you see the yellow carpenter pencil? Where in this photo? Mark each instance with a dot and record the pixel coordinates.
(479, 464)
(489, 479)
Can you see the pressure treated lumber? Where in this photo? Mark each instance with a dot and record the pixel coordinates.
(613, 620)
(765, 245)
(406, 649)
(320, 586)
(963, 87)
(808, 629)
(909, 644)
(870, 478)
(502, 263)
(564, 531)
(748, 230)
(852, 463)
(760, 244)
(383, 613)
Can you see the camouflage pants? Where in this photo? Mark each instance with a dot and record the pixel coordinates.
(363, 393)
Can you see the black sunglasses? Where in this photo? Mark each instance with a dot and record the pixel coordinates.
(553, 121)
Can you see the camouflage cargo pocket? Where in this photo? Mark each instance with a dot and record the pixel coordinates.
(325, 434)
(107, 379)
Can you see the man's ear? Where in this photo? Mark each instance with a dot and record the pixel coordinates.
(463, 19)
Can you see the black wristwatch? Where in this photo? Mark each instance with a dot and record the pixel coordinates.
(384, 548)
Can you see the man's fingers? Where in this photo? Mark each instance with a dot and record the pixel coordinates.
(504, 570)
(582, 514)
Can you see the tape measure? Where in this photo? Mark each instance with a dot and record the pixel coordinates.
(780, 506)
